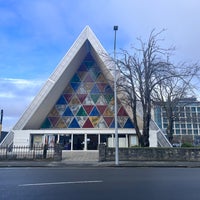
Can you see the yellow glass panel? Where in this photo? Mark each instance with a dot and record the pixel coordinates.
(108, 112)
(94, 120)
(101, 78)
(53, 112)
(75, 100)
(68, 89)
(88, 86)
(61, 124)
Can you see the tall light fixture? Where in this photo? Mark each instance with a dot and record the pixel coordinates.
(115, 28)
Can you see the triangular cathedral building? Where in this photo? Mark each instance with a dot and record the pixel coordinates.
(75, 107)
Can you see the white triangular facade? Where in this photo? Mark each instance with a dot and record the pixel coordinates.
(52, 89)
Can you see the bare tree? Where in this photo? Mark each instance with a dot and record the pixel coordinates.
(171, 91)
(141, 72)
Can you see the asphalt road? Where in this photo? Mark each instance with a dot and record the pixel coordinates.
(100, 183)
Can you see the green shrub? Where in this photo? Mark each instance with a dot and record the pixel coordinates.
(187, 144)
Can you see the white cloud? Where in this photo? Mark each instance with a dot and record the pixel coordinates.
(15, 96)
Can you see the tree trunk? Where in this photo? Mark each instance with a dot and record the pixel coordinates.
(170, 129)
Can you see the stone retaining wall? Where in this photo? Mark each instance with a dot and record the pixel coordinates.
(149, 154)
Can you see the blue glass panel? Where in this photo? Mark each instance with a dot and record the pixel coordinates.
(68, 112)
(75, 78)
(75, 85)
(108, 89)
(82, 68)
(95, 90)
(113, 125)
(61, 101)
(95, 112)
(74, 124)
(128, 124)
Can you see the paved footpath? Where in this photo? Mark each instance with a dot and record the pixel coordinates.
(90, 159)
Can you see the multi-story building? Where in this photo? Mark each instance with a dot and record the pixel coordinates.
(186, 127)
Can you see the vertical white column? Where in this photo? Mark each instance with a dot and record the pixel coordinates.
(72, 141)
(99, 138)
(113, 140)
(126, 140)
(58, 140)
(85, 142)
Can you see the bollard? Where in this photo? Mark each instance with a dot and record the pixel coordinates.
(45, 151)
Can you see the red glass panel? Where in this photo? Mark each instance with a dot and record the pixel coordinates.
(88, 124)
(101, 108)
(68, 97)
(88, 108)
(108, 120)
(81, 97)
(122, 112)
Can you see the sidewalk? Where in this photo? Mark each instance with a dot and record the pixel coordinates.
(80, 159)
(83, 164)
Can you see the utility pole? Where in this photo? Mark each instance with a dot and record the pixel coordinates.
(115, 97)
(1, 121)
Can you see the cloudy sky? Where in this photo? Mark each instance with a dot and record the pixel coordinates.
(36, 34)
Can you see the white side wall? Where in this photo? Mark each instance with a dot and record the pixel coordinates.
(21, 138)
(153, 139)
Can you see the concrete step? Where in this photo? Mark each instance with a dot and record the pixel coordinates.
(82, 156)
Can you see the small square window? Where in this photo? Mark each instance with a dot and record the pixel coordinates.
(189, 131)
(184, 131)
(182, 125)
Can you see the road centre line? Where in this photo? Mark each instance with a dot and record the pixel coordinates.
(60, 183)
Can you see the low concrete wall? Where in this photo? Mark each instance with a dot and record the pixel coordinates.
(149, 154)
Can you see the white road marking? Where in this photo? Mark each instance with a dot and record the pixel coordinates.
(60, 183)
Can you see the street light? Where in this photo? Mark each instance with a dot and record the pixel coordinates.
(115, 28)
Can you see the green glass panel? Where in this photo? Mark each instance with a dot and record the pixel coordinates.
(95, 97)
(46, 124)
(108, 97)
(81, 112)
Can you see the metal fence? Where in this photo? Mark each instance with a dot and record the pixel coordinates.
(27, 153)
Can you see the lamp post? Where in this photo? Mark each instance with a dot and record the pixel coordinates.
(115, 28)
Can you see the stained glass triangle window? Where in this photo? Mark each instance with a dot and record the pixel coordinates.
(75, 78)
(74, 124)
(82, 97)
(95, 112)
(61, 100)
(129, 124)
(86, 102)
(95, 97)
(95, 89)
(68, 112)
(81, 112)
(88, 124)
(75, 85)
(101, 108)
(88, 108)
(46, 124)
(122, 112)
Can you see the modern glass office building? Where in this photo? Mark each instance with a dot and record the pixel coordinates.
(186, 125)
